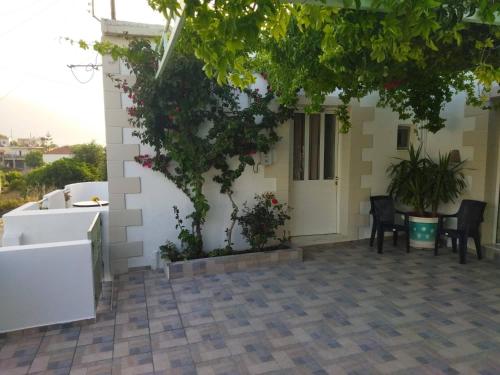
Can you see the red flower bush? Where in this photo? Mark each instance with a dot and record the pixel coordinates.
(260, 222)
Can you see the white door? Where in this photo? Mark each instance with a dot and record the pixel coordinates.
(314, 174)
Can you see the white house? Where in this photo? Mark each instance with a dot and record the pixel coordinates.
(4, 140)
(327, 177)
(57, 153)
(12, 157)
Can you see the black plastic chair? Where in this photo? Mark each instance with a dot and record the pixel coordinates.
(469, 218)
(384, 214)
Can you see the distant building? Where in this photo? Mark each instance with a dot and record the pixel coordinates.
(4, 140)
(30, 142)
(57, 153)
(12, 157)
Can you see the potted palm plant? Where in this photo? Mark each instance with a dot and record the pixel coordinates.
(421, 183)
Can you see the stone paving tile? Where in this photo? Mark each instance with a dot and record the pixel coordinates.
(88, 354)
(345, 310)
(96, 335)
(19, 347)
(133, 365)
(124, 331)
(53, 343)
(168, 339)
(222, 366)
(94, 368)
(51, 361)
(167, 323)
(176, 360)
(132, 346)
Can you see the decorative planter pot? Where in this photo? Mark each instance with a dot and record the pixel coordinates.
(423, 232)
(230, 263)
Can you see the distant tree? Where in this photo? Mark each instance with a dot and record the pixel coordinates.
(34, 159)
(94, 155)
(47, 141)
(60, 173)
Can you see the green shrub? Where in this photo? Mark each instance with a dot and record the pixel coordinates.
(7, 205)
(12, 175)
(15, 181)
(34, 159)
(169, 251)
(60, 173)
(259, 223)
(220, 252)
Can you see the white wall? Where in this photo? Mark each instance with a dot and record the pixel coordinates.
(384, 150)
(50, 158)
(54, 199)
(55, 225)
(384, 131)
(45, 284)
(158, 196)
(84, 191)
(48, 225)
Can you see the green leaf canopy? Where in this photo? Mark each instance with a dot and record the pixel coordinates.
(416, 53)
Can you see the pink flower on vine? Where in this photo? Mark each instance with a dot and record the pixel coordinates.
(145, 160)
(132, 111)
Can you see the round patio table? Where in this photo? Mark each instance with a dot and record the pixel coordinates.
(90, 203)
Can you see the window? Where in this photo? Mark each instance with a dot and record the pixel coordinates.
(329, 153)
(314, 144)
(298, 145)
(403, 141)
(314, 138)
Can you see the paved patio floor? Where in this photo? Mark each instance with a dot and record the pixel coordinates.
(345, 310)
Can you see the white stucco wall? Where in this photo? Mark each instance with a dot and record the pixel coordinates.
(45, 284)
(158, 196)
(384, 150)
(49, 225)
(49, 158)
(27, 225)
(54, 199)
(384, 131)
(84, 191)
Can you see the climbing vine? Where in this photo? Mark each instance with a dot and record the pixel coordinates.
(194, 125)
(415, 53)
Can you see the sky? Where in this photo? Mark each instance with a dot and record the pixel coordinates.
(38, 92)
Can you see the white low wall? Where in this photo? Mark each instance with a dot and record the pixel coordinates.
(45, 284)
(27, 227)
(44, 226)
(30, 206)
(54, 199)
(84, 191)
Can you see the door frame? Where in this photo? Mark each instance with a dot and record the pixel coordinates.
(337, 154)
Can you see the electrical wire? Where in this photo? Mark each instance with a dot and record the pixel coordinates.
(88, 68)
